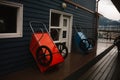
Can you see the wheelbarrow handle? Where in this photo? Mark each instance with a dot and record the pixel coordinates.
(39, 22)
(30, 23)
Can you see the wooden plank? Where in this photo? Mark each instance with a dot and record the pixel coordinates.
(91, 70)
(101, 63)
(76, 75)
(98, 73)
(108, 68)
(111, 72)
(92, 75)
(116, 74)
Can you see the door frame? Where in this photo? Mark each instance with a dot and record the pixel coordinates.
(70, 25)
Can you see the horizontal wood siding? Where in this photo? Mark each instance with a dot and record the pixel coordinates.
(90, 3)
(82, 19)
(14, 52)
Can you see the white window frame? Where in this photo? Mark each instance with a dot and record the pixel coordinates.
(70, 28)
(19, 22)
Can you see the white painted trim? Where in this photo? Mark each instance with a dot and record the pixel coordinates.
(60, 12)
(19, 26)
(12, 4)
(70, 28)
(70, 37)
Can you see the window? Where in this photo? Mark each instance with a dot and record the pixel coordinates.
(55, 29)
(11, 17)
(60, 27)
(55, 34)
(64, 22)
(64, 34)
(55, 19)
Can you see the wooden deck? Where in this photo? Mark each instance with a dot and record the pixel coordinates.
(104, 69)
(108, 68)
(73, 62)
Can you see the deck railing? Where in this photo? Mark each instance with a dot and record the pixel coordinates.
(109, 28)
(108, 32)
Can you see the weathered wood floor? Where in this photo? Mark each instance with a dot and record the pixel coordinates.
(103, 70)
(108, 68)
(73, 62)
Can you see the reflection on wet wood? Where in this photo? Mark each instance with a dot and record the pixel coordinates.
(106, 69)
(73, 62)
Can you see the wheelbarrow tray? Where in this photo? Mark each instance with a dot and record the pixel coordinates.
(45, 41)
(79, 36)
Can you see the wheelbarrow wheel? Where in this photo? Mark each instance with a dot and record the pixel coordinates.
(63, 49)
(84, 44)
(44, 55)
(91, 41)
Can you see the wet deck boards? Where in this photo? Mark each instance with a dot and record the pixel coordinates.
(73, 63)
(105, 69)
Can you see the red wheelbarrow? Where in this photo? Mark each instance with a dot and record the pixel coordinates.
(45, 53)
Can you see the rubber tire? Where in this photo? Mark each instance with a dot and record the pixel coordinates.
(43, 56)
(91, 41)
(61, 47)
(82, 45)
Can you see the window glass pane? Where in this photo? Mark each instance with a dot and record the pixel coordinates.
(2, 25)
(55, 19)
(55, 33)
(8, 19)
(64, 34)
(64, 22)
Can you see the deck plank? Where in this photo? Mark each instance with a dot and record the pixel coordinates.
(116, 74)
(98, 73)
(88, 73)
(111, 72)
(74, 62)
(107, 69)
(103, 69)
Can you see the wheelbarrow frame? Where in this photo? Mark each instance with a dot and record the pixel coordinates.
(46, 54)
(85, 44)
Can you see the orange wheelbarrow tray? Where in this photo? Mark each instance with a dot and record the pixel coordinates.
(43, 49)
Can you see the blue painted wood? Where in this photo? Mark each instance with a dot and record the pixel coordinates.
(14, 52)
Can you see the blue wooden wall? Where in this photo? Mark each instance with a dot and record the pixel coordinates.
(14, 52)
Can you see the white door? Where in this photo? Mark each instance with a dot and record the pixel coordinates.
(65, 30)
